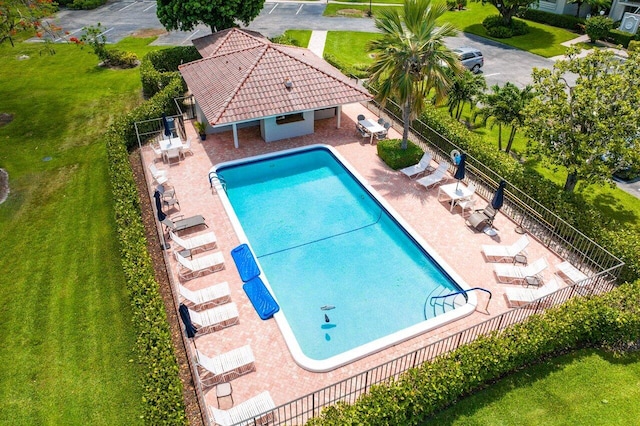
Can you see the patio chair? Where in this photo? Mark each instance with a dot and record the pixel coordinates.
(436, 177)
(383, 135)
(380, 120)
(203, 242)
(157, 151)
(159, 176)
(424, 165)
(193, 268)
(519, 296)
(176, 224)
(520, 274)
(172, 153)
(500, 253)
(361, 117)
(482, 218)
(168, 194)
(186, 148)
(226, 366)
(217, 294)
(570, 273)
(362, 131)
(254, 411)
(215, 319)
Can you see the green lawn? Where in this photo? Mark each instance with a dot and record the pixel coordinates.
(67, 340)
(587, 387)
(349, 47)
(302, 37)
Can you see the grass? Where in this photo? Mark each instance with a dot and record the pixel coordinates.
(349, 47)
(587, 387)
(67, 340)
(301, 36)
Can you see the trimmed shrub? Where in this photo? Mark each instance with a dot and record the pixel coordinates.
(620, 37)
(634, 46)
(598, 27)
(159, 68)
(121, 59)
(356, 70)
(496, 28)
(389, 151)
(568, 22)
(85, 4)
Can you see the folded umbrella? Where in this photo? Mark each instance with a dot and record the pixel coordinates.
(189, 328)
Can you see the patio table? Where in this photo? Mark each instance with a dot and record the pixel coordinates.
(167, 144)
(454, 194)
(372, 127)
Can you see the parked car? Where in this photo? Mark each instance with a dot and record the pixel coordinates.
(471, 58)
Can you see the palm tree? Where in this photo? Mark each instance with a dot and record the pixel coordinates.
(467, 87)
(506, 105)
(411, 58)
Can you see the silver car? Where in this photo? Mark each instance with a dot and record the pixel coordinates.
(471, 58)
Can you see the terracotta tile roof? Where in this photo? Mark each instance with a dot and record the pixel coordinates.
(242, 77)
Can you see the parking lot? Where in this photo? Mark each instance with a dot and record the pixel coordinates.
(122, 18)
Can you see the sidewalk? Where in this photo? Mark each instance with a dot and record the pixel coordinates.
(585, 39)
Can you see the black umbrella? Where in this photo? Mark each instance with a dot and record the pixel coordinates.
(161, 215)
(165, 123)
(461, 169)
(186, 320)
(498, 197)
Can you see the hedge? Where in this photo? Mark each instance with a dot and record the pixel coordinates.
(163, 397)
(568, 22)
(612, 320)
(620, 37)
(160, 67)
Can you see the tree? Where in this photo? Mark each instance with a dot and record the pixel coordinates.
(184, 15)
(590, 127)
(508, 8)
(466, 87)
(595, 5)
(506, 105)
(23, 15)
(411, 57)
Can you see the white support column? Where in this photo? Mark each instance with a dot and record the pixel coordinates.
(235, 135)
(339, 112)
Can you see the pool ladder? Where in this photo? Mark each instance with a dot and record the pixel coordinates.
(217, 180)
(449, 301)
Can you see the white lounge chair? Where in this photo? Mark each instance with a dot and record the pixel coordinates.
(160, 176)
(202, 242)
(519, 296)
(513, 273)
(192, 268)
(213, 295)
(436, 177)
(257, 410)
(417, 169)
(215, 318)
(226, 366)
(499, 253)
(570, 273)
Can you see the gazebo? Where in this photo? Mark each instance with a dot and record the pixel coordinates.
(243, 79)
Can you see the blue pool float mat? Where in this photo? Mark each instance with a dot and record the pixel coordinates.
(246, 264)
(263, 302)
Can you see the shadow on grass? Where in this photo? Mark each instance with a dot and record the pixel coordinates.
(611, 207)
(537, 40)
(464, 410)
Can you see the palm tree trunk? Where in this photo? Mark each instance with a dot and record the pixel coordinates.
(500, 137)
(512, 136)
(406, 112)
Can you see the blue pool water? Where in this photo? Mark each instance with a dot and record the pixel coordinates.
(322, 238)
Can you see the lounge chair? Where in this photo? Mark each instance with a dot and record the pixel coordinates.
(436, 177)
(217, 294)
(202, 242)
(519, 296)
(226, 366)
(570, 273)
(482, 218)
(160, 176)
(255, 411)
(182, 224)
(193, 268)
(514, 273)
(424, 165)
(215, 318)
(500, 253)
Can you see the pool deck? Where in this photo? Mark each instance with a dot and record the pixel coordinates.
(445, 231)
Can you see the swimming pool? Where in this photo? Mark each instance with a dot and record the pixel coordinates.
(324, 238)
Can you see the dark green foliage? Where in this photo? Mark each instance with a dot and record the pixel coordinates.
(121, 59)
(634, 45)
(355, 70)
(390, 151)
(185, 15)
(620, 37)
(598, 27)
(164, 403)
(611, 321)
(569, 22)
(285, 39)
(84, 4)
(496, 27)
(159, 68)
